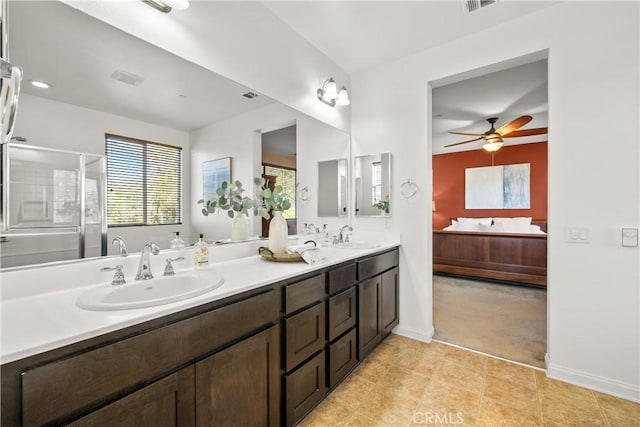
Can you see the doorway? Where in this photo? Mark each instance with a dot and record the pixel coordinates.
(278, 167)
(489, 283)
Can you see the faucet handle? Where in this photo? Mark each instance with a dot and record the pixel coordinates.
(168, 268)
(118, 277)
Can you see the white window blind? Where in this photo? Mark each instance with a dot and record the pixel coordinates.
(144, 182)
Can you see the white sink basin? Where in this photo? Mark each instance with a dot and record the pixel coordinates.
(356, 245)
(149, 293)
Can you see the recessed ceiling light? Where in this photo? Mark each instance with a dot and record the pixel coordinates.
(40, 85)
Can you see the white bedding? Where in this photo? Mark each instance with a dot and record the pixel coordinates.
(517, 225)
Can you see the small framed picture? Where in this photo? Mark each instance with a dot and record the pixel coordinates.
(214, 172)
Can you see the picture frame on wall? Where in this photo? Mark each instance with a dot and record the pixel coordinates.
(214, 173)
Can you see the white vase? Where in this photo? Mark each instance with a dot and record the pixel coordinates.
(278, 234)
(239, 228)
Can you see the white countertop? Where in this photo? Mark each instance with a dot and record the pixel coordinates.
(34, 322)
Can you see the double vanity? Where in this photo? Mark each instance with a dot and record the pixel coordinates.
(262, 347)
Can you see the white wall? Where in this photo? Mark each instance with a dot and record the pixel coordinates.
(63, 126)
(240, 138)
(243, 41)
(593, 289)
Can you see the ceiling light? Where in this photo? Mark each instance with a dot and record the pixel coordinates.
(493, 142)
(329, 94)
(40, 85)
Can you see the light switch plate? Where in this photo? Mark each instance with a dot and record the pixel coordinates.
(630, 237)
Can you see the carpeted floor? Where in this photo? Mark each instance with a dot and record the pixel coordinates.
(502, 320)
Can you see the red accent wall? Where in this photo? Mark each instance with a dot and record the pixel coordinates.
(448, 182)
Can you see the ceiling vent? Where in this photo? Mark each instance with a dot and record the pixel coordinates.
(250, 95)
(473, 5)
(126, 77)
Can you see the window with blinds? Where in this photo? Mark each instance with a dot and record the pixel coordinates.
(144, 182)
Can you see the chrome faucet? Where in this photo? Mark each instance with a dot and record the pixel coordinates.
(342, 238)
(122, 247)
(144, 269)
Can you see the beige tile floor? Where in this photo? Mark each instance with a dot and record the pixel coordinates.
(409, 383)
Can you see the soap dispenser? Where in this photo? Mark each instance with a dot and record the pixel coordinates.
(177, 242)
(201, 254)
(324, 237)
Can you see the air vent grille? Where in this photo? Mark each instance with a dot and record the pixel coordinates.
(473, 5)
(250, 95)
(127, 77)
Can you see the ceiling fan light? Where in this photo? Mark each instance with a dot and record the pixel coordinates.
(493, 146)
(343, 97)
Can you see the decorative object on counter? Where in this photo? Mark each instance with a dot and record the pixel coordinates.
(305, 194)
(230, 198)
(329, 94)
(177, 242)
(278, 257)
(383, 205)
(201, 254)
(214, 173)
(308, 252)
(268, 203)
(408, 189)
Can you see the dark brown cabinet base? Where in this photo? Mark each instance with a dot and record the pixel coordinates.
(239, 386)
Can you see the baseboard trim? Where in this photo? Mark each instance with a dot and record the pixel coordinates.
(416, 335)
(594, 382)
(546, 360)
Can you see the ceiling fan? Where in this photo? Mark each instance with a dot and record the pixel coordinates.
(493, 137)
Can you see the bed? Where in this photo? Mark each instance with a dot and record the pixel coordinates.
(516, 257)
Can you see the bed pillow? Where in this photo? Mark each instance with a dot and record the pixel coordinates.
(485, 221)
(515, 225)
(468, 224)
(535, 229)
(495, 228)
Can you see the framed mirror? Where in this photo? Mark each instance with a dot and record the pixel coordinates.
(373, 185)
(332, 188)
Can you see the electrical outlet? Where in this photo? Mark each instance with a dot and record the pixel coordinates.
(630, 237)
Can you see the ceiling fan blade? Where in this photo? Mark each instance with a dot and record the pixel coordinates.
(464, 133)
(464, 142)
(526, 132)
(513, 125)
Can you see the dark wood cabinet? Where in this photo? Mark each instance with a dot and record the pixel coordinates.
(389, 306)
(239, 386)
(164, 403)
(342, 357)
(378, 308)
(368, 316)
(342, 313)
(305, 334)
(305, 387)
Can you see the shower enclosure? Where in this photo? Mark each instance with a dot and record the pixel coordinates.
(53, 205)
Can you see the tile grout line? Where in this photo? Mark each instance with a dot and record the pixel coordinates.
(538, 398)
(602, 414)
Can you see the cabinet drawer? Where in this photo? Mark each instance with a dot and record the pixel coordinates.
(377, 264)
(305, 388)
(341, 278)
(305, 334)
(342, 358)
(56, 390)
(304, 293)
(342, 313)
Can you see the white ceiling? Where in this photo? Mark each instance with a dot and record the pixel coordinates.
(358, 35)
(77, 55)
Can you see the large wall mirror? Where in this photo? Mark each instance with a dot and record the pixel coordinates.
(373, 185)
(332, 188)
(106, 81)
